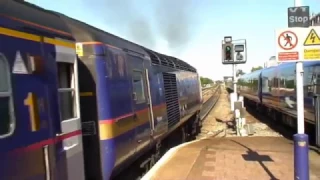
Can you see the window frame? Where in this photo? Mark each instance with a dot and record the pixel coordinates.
(73, 89)
(9, 94)
(143, 85)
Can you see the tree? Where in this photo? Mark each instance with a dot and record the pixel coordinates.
(256, 68)
(205, 81)
(240, 72)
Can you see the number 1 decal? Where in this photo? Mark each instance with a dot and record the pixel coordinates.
(31, 102)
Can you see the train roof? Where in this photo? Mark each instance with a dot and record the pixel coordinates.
(281, 66)
(86, 33)
(292, 64)
(169, 61)
(28, 12)
(257, 72)
(81, 31)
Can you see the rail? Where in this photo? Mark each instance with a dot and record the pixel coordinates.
(207, 90)
(209, 103)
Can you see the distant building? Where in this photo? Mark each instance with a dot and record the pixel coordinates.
(315, 20)
(271, 62)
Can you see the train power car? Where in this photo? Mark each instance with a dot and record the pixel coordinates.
(39, 104)
(273, 90)
(80, 103)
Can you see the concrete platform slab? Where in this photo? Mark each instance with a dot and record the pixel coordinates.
(228, 158)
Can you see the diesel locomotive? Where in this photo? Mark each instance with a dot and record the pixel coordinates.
(79, 103)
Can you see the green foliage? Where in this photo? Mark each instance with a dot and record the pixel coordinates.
(240, 72)
(256, 68)
(205, 81)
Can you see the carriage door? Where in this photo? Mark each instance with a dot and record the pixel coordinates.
(141, 102)
(70, 117)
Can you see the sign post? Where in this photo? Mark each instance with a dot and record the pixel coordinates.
(301, 149)
(299, 43)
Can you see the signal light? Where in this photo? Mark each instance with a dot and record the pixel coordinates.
(227, 50)
(228, 53)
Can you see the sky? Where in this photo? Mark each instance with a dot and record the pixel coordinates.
(191, 30)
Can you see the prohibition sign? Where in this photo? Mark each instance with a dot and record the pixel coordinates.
(287, 40)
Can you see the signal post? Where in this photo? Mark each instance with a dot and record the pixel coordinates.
(232, 53)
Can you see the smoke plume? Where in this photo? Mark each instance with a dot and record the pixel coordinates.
(172, 20)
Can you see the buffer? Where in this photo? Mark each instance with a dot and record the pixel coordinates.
(312, 39)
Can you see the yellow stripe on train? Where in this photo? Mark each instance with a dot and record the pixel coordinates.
(114, 129)
(117, 128)
(32, 37)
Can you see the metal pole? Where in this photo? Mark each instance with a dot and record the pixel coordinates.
(317, 118)
(301, 150)
(235, 96)
(235, 80)
(297, 3)
(300, 98)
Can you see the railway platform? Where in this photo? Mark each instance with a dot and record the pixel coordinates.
(229, 158)
(219, 154)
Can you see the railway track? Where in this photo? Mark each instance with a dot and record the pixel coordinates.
(263, 125)
(254, 117)
(284, 130)
(221, 119)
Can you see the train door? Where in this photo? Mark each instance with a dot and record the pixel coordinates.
(26, 128)
(142, 104)
(261, 83)
(276, 91)
(150, 104)
(70, 125)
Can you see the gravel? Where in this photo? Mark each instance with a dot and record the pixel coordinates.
(260, 129)
(221, 118)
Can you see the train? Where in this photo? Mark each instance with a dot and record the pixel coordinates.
(79, 103)
(273, 91)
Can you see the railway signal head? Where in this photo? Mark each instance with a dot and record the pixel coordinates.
(227, 52)
(230, 47)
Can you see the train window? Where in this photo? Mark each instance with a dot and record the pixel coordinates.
(67, 99)
(6, 108)
(138, 87)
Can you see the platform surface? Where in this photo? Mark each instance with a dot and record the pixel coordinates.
(228, 158)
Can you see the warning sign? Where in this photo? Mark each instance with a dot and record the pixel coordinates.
(288, 56)
(79, 49)
(287, 40)
(312, 54)
(19, 66)
(298, 44)
(312, 39)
